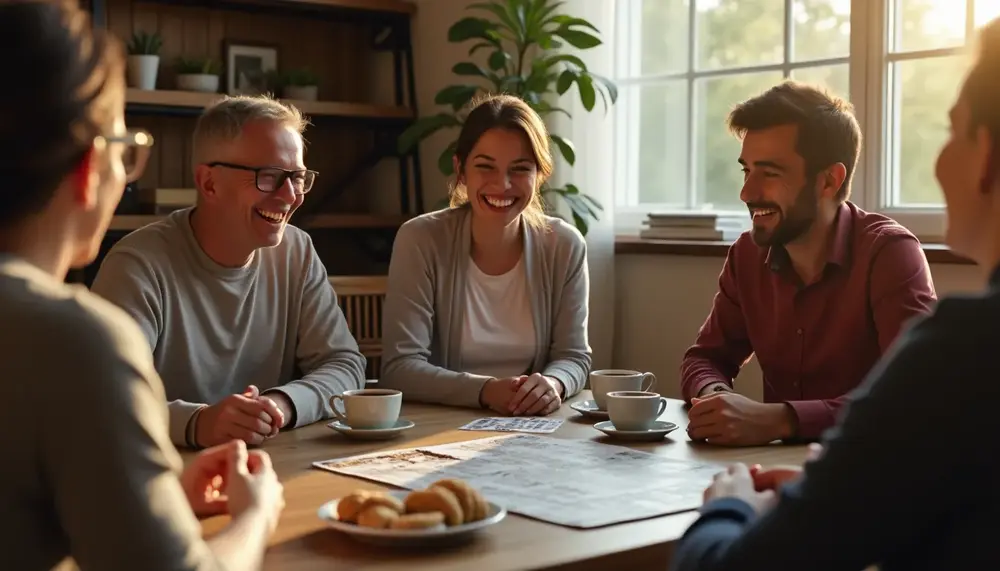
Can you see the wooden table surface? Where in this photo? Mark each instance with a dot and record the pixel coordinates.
(302, 541)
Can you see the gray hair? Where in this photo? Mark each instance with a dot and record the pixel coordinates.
(224, 120)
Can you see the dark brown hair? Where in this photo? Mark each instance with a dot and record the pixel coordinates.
(62, 73)
(506, 112)
(828, 133)
(982, 84)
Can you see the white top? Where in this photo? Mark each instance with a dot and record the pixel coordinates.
(498, 333)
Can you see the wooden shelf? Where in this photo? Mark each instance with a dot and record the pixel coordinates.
(393, 6)
(198, 100)
(128, 222)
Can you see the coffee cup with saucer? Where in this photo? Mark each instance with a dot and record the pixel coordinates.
(633, 416)
(369, 414)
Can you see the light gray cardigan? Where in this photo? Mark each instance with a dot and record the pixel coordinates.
(425, 307)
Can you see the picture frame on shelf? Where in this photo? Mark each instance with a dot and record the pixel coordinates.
(249, 67)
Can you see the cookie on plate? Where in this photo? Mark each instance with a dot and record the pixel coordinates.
(378, 517)
(436, 499)
(349, 506)
(384, 500)
(423, 520)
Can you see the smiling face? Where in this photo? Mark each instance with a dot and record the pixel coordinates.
(500, 176)
(254, 219)
(782, 203)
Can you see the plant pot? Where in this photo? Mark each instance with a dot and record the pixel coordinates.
(204, 82)
(301, 92)
(142, 71)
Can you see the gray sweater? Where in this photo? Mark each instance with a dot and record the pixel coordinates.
(214, 330)
(425, 306)
(88, 470)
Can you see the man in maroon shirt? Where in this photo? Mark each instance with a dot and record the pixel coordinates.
(818, 289)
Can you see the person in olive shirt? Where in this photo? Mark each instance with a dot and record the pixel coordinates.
(88, 472)
(908, 477)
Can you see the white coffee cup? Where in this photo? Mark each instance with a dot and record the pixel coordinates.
(607, 380)
(368, 408)
(635, 410)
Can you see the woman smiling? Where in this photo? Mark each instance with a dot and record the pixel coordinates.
(487, 301)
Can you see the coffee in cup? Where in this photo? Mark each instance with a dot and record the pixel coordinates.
(368, 408)
(607, 380)
(634, 410)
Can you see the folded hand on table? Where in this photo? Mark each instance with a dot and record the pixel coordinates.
(526, 395)
(249, 417)
(736, 482)
(226, 479)
(776, 476)
(735, 420)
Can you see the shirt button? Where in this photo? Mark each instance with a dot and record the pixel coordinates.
(798, 331)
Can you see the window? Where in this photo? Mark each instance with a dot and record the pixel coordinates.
(682, 64)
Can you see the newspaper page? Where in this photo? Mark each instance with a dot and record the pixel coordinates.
(535, 425)
(573, 483)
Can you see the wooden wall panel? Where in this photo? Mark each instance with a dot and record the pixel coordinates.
(338, 52)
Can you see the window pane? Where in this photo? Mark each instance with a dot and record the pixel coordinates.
(822, 29)
(662, 125)
(836, 78)
(986, 10)
(928, 24)
(664, 44)
(736, 33)
(719, 178)
(922, 92)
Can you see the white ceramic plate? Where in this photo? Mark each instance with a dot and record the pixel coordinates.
(589, 408)
(409, 537)
(659, 429)
(402, 425)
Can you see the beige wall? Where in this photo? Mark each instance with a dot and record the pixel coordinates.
(661, 301)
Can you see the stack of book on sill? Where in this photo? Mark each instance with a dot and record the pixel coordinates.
(694, 226)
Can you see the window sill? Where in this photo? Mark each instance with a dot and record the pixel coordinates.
(936, 253)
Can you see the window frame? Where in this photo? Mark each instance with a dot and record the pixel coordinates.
(868, 60)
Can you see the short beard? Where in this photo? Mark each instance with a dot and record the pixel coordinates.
(796, 222)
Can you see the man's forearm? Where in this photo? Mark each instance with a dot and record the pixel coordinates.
(241, 544)
(813, 417)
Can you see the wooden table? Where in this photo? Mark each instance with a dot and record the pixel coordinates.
(303, 542)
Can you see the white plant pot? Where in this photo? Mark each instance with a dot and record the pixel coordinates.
(142, 70)
(205, 82)
(301, 92)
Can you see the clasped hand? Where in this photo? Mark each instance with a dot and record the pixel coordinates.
(249, 417)
(527, 395)
(756, 485)
(735, 420)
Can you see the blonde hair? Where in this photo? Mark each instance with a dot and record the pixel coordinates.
(506, 112)
(223, 121)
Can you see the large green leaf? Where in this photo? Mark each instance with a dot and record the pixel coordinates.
(472, 28)
(565, 81)
(553, 60)
(498, 60)
(545, 108)
(565, 148)
(423, 128)
(479, 46)
(469, 68)
(499, 11)
(565, 21)
(458, 96)
(445, 163)
(588, 97)
(578, 39)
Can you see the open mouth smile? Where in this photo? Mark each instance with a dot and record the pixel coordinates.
(499, 203)
(272, 217)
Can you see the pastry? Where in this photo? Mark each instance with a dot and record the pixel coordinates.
(379, 517)
(423, 520)
(474, 506)
(436, 499)
(384, 500)
(350, 505)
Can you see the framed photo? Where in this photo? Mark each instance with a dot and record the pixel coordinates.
(249, 67)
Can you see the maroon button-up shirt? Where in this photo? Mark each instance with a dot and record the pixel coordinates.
(816, 342)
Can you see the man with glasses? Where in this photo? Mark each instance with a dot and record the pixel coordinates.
(244, 326)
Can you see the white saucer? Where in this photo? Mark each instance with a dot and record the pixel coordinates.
(409, 537)
(589, 408)
(402, 425)
(659, 429)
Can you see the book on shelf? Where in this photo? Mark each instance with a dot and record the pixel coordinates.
(693, 225)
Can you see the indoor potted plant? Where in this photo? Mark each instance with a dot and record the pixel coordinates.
(300, 84)
(144, 59)
(523, 39)
(198, 74)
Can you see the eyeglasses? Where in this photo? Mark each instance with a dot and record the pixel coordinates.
(270, 179)
(136, 155)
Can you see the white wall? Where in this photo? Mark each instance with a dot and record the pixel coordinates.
(661, 301)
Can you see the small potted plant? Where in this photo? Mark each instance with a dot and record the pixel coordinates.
(198, 74)
(300, 84)
(144, 59)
